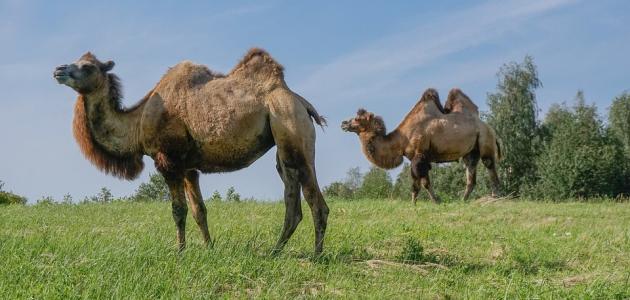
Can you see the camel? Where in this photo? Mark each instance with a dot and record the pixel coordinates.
(424, 136)
(196, 120)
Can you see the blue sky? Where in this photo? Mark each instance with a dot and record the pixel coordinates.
(341, 55)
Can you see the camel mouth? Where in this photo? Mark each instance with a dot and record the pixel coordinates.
(61, 75)
(345, 126)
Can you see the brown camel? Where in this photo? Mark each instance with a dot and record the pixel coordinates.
(198, 120)
(489, 144)
(425, 135)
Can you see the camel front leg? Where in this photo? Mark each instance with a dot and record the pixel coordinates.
(199, 211)
(175, 184)
(420, 167)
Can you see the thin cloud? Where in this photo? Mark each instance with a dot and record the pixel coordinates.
(394, 55)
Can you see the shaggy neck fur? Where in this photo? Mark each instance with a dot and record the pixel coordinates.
(385, 151)
(107, 133)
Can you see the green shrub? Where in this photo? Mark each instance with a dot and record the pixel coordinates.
(154, 190)
(376, 184)
(9, 197)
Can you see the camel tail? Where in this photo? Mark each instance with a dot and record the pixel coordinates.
(319, 119)
(499, 152)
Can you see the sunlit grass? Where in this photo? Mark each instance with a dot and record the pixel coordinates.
(373, 248)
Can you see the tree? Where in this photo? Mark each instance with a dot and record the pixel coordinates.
(346, 189)
(513, 114)
(619, 124)
(403, 183)
(376, 184)
(579, 158)
(619, 120)
(216, 196)
(154, 190)
(232, 195)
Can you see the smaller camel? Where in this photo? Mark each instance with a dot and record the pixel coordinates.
(428, 135)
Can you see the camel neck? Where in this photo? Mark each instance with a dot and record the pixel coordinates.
(115, 130)
(385, 151)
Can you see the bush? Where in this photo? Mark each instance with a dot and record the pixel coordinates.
(154, 190)
(232, 195)
(10, 198)
(104, 196)
(346, 189)
(376, 184)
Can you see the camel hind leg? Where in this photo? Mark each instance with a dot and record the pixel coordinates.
(491, 165)
(195, 200)
(293, 209)
(470, 163)
(294, 135)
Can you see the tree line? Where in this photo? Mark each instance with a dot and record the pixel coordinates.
(573, 152)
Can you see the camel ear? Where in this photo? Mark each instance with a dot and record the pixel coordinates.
(108, 66)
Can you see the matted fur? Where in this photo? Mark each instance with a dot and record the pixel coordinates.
(127, 167)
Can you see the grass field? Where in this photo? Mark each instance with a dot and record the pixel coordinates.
(374, 249)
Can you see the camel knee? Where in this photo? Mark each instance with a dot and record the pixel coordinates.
(179, 213)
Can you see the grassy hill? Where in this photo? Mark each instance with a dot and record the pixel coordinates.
(374, 248)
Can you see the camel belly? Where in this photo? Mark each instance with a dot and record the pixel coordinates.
(234, 150)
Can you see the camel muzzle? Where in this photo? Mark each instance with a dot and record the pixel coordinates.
(61, 74)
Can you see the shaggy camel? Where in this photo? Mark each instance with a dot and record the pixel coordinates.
(425, 135)
(198, 120)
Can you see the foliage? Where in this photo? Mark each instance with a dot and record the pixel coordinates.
(579, 159)
(348, 188)
(619, 120)
(232, 196)
(7, 197)
(619, 125)
(513, 115)
(46, 200)
(154, 190)
(376, 184)
(403, 183)
(104, 196)
(216, 196)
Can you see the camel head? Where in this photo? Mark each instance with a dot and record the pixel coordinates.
(85, 75)
(364, 122)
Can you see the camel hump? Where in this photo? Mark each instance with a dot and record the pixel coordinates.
(258, 60)
(431, 95)
(188, 74)
(457, 96)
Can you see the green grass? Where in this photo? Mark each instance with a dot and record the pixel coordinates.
(373, 249)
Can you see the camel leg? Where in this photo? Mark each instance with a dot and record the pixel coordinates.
(415, 188)
(490, 164)
(420, 167)
(315, 200)
(175, 184)
(293, 210)
(470, 162)
(195, 200)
